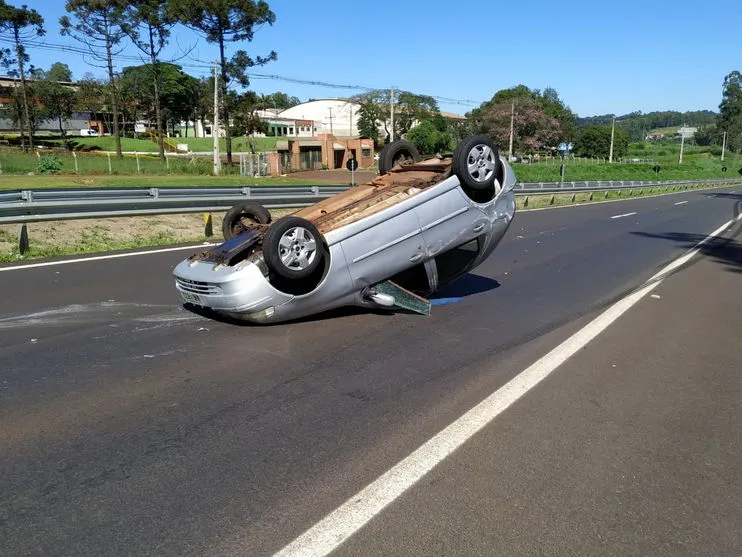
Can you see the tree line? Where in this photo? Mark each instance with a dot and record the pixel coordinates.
(103, 28)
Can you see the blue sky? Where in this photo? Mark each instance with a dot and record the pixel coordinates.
(602, 58)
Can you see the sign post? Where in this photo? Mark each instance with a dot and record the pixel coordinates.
(351, 165)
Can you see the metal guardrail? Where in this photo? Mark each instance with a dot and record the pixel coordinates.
(25, 206)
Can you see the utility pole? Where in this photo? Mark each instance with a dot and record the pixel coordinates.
(613, 129)
(215, 127)
(723, 145)
(331, 132)
(512, 122)
(391, 109)
(682, 143)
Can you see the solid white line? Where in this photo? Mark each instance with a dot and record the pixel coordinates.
(622, 216)
(100, 257)
(328, 534)
(681, 203)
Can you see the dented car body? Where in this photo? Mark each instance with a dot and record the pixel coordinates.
(417, 226)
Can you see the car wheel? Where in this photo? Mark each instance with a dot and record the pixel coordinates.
(397, 152)
(241, 214)
(476, 163)
(292, 247)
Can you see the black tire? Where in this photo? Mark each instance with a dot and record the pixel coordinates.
(397, 152)
(251, 212)
(476, 163)
(293, 234)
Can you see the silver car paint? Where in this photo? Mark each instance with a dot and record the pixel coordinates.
(362, 253)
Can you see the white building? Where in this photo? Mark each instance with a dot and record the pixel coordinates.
(336, 116)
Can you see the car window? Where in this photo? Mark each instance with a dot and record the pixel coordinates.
(456, 261)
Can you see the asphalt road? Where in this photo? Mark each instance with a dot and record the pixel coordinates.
(129, 426)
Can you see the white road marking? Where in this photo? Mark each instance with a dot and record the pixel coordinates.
(622, 216)
(329, 533)
(101, 257)
(681, 203)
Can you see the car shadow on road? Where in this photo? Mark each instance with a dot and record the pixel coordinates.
(467, 285)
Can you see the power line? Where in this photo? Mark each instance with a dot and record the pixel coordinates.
(204, 65)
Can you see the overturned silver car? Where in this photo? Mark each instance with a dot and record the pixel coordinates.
(416, 227)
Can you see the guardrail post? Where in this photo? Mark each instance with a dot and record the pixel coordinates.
(246, 192)
(23, 246)
(209, 226)
(27, 196)
(525, 202)
(315, 190)
(154, 192)
(551, 201)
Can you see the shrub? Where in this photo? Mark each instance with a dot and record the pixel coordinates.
(50, 163)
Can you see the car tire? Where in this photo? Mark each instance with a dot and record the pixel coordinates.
(248, 211)
(397, 152)
(476, 163)
(293, 247)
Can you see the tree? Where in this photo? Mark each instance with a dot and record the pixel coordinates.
(533, 129)
(221, 22)
(57, 98)
(22, 24)
(547, 102)
(277, 100)
(730, 111)
(176, 98)
(410, 109)
(431, 136)
(97, 25)
(246, 119)
(148, 24)
(595, 142)
(370, 115)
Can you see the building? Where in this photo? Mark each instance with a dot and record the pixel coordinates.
(80, 120)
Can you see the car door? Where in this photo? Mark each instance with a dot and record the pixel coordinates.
(385, 247)
(450, 219)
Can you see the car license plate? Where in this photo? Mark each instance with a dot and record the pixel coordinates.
(191, 298)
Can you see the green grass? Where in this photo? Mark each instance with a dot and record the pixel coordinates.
(95, 241)
(143, 180)
(698, 163)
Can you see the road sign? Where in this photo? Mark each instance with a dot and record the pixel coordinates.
(352, 164)
(723, 168)
(656, 168)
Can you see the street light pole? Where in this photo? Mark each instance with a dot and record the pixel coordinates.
(215, 127)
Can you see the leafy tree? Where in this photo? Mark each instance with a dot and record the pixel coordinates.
(277, 100)
(246, 119)
(548, 103)
(148, 24)
(730, 111)
(431, 135)
(533, 129)
(370, 115)
(57, 99)
(411, 108)
(177, 93)
(374, 110)
(97, 24)
(22, 24)
(222, 22)
(595, 142)
(90, 95)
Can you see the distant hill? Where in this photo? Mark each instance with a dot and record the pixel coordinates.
(638, 125)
